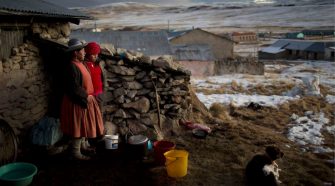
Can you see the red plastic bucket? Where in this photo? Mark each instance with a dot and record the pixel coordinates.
(160, 147)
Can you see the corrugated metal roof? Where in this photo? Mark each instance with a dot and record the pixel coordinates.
(194, 52)
(272, 50)
(296, 45)
(280, 43)
(173, 35)
(302, 45)
(38, 8)
(151, 43)
(319, 46)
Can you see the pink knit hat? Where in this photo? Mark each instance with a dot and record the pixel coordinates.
(92, 48)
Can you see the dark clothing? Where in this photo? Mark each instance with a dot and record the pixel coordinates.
(73, 86)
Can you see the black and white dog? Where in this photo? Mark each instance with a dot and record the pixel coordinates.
(262, 169)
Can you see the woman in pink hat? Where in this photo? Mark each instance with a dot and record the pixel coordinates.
(80, 113)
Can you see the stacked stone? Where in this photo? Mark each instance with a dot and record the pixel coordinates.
(56, 31)
(138, 88)
(25, 90)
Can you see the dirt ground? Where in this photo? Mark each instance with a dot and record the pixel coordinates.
(238, 133)
(219, 159)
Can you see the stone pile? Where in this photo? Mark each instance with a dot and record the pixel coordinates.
(143, 93)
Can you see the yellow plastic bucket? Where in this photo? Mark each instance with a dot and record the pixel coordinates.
(176, 163)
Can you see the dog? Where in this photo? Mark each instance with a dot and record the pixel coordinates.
(262, 169)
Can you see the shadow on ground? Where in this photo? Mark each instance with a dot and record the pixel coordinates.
(107, 167)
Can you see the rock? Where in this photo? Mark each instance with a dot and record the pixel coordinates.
(121, 70)
(140, 75)
(111, 108)
(108, 50)
(136, 127)
(132, 85)
(131, 93)
(120, 114)
(119, 92)
(65, 29)
(111, 128)
(119, 99)
(142, 105)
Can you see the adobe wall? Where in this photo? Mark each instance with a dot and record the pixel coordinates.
(239, 67)
(222, 48)
(199, 68)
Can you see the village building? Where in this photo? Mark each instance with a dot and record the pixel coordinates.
(150, 43)
(244, 37)
(311, 35)
(195, 50)
(197, 58)
(222, 47)
(296, 49)
(330, 53)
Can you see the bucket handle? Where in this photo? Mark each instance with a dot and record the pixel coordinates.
(129, 132)
(170, 162)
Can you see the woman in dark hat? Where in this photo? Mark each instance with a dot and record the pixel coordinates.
(80, 114)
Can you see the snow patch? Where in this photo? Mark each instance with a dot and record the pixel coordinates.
(330, 99)
(306, 130)
(244, 100)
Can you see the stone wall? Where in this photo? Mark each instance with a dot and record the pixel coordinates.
(139, 88)
(142, 95)
(24, 88)
(24, 82)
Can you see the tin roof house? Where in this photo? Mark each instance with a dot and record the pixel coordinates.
(330, 54)
(311, 34)
(222, 47)
(197, 50)
(296, 49)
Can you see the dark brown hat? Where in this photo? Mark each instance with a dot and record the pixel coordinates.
(75, 44)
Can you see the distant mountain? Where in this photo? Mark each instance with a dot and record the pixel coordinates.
(80, 3)
(90, 3)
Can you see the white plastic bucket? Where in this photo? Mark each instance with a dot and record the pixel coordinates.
(111, 141)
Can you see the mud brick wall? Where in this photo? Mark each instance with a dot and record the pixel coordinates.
(240, 66)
